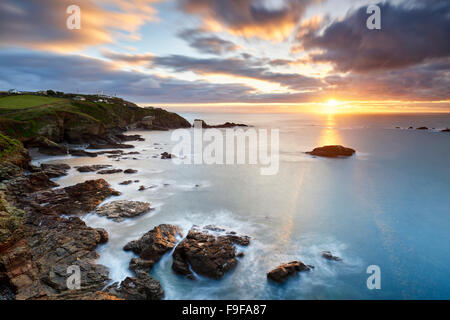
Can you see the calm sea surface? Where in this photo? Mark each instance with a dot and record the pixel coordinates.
(388, 206)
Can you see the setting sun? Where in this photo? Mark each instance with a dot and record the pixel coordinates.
(331, 107)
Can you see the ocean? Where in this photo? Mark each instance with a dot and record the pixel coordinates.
(388, 206)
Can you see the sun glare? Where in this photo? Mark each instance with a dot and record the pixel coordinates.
(331, 107)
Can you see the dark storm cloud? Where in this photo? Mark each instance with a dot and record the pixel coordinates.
(411, 33)
(253, 18)
(247, 68)
(207, 43)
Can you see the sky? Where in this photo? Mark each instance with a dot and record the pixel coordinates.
(257, 55)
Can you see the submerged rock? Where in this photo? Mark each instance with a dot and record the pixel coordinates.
(329, 256)
(219, 126)
(110, 146)
(119, 210)
(92, 168)
(445, 130)
(332, 152)
(125, 183)
(166, 155)
(110, 171)
(130, 171)
(284, 271)
(422, 128)
(209, 252)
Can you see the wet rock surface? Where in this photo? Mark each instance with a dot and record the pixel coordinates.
(153, 245)
(82, 153)
(122, 209)
(110, 171)
(55, 170)
(92, 168)
(329, 256)
(332, 152)
(78, 199)
(281, 273)
(141, 287)
(210, 251)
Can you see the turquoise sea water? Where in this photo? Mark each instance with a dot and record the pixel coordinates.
(387, 206)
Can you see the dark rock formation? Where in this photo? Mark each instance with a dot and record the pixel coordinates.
(128, 138)
(166, 155)
(110, 171)
(122, 209)
(220, 126)
(422, 128)
(45, 146)
(332, 152)
(141, 287)
(209, 252)
(125, 183)
(55, 170)
(92, 168)
(284, 271)
(327, 255)
(111, 146)
(82, 153)
(152, 246)
(78, 199)
(445, 130)
(130, 171)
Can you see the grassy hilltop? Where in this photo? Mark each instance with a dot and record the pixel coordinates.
(67, 119)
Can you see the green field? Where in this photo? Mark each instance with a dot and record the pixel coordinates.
(12, 103)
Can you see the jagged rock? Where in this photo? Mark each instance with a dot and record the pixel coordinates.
(110, 146)
(128, 138)
(445, 130)
(152, 246)
(55, 170)
(166, 155)
(327, 255)
(130, 171)
(125, 183)
(104, 237)
(82, 153)
(45, 146)
(119, 210)
(92, 168)
(220, 126)
(209, 252)
(422, 128)
(110, 171)
(142, 287)
(78, 199)
(142, 188)
(282, 272)
(332, 152)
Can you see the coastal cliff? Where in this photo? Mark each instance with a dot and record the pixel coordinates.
(37, 244)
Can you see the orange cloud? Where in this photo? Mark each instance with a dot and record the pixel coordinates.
(42, 24)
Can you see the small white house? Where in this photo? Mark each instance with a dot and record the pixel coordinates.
(78, 98)
(13, 91)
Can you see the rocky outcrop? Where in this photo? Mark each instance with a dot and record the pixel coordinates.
(422, 128)
(445, 130)
(332, 152)
(78, 199)
(283, 272)
(152, 246)
(110, 171)
(130, 171)
(37, 245)
(141, 287)
(82, 153)
(226, 125)
(166, 155)
(329, 256)
(123, 209)
(55, 170)
(111, 146)
(46, 146)
(92, 168)
(209, 251)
